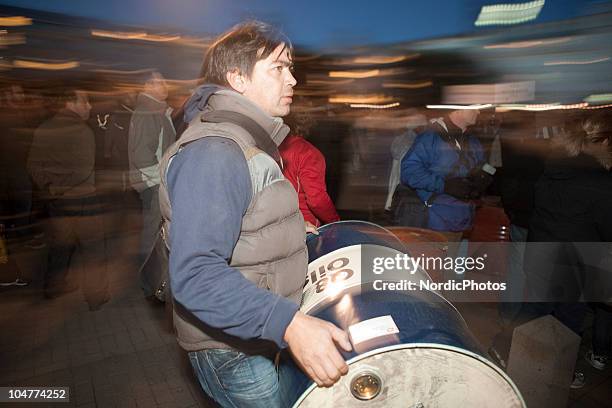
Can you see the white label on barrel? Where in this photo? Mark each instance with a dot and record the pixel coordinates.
(330, 274)
(372, 328)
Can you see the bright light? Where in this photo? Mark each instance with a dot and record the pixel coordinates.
(372, 99)
(119, 35)
(15, 21)
(333, 288)
(528, 44)
(595, 61)
(598, 106)
(460, 107)
(369, 73)
(370, 106)
(540, 107)
(407, 85)
(382, 59)
(505, 14)
(354, 74)
(51, 66)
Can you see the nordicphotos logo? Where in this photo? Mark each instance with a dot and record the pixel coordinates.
(451, 285)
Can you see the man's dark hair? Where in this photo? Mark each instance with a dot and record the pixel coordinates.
(239, 49)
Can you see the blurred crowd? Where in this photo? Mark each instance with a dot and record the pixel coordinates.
(79, 165)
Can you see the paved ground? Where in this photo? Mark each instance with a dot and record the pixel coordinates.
(597, 392)
(124, 355)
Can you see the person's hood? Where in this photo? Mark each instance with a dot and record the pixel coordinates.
(211, 97)
(402, 143)
(452, 131)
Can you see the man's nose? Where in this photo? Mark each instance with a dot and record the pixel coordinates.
(291, 81)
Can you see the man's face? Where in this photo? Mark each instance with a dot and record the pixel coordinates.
(156, 87)
(80, 106)
(271, 83)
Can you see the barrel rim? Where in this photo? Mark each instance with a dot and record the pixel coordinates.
(459, 350)
(361, 222)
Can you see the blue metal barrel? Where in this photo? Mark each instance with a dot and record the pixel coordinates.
(410, 348)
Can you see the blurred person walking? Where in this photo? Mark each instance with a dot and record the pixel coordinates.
(15, 184)
(444, 166)
(523, 163)
(304, 167)
(61, 163)
(572, 214)
(118, 128)
(150, 133)
(400, 198)
(572, 205)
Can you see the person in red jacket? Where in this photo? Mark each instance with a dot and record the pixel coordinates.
(304, 167)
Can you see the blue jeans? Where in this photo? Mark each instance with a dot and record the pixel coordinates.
(237, 380)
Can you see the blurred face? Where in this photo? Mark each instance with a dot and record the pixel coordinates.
(156, 87)
(271, 83)
(470, 116)
(80, 106)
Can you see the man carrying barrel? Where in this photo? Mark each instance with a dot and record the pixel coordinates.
(238, 257)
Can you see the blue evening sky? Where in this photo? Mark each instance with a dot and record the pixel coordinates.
(317, 23)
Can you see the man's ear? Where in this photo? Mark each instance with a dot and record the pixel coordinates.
(236, 80)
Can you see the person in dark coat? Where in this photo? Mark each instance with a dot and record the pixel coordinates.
(572, 203)
(62, 164)
(570, 231)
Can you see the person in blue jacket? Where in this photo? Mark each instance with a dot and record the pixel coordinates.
(444, 167)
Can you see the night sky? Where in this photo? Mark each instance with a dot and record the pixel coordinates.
(315, 23)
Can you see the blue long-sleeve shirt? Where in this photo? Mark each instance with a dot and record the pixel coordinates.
(210, 190)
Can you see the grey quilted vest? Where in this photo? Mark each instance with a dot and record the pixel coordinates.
(271, 250)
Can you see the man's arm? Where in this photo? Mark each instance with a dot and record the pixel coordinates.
(210, 190)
